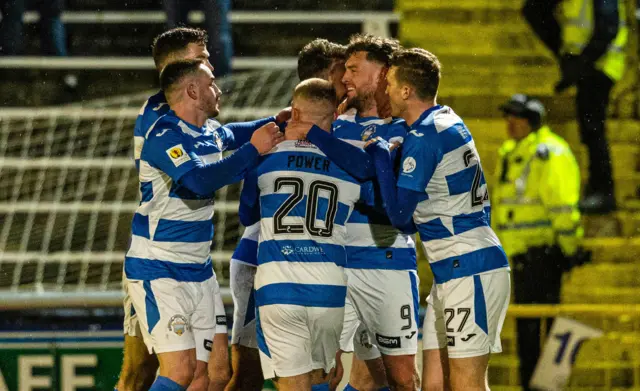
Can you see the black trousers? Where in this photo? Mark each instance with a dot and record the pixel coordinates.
(592, 99)
(537, 277)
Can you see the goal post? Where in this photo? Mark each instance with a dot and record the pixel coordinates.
(69, 188)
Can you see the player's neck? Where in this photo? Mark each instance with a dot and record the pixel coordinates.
(190, 115)
(415, 108)
(370, 109)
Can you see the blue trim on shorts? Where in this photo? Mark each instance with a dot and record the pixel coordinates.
(251, 308)
(262, 343)
(349, 387)
(151, 306)
(320, 387)
(479, 304)
(153, 269)
(416, 298)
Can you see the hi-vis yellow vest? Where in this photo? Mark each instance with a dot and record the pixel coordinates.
(534, 200)
(577, 29)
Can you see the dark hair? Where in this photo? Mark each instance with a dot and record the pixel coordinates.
(317, 56)
(418, 68)
(174, 40)
(378, 49)
(316, 89)
(173, 73)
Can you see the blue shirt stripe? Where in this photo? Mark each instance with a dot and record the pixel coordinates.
(140, 225)
(461, 181)
(469, 264)
(153, 269)
(300, 251)
(247, 251)
(302, 162)
(270, 203)
(183, 231)
(382, 258)
(146, 191)
(307, 295)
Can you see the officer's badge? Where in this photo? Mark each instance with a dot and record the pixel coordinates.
(178, 324)
(542, 152)
(368, 132)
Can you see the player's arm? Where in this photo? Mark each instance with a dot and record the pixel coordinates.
(239, 133)
(350, 158)
(249, 211)
(401, 197)
(184, 166)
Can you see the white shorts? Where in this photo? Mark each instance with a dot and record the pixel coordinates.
(130, 322)
(294, 340)
(387, 303)
(244, 305)
(465, 315)
(355, 337)
(175, 315)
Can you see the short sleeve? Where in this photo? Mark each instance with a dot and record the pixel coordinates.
(170, 151)
(420, 157)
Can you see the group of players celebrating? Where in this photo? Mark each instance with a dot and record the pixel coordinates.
(335, 188)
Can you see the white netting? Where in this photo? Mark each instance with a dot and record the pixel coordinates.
(68, 187)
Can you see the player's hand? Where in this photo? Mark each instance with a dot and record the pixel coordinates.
(283, 116)
(266, 137)
(377, 145)
(298, 130)
(336, 374)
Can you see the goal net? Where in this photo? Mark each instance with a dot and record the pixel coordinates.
(69, 188)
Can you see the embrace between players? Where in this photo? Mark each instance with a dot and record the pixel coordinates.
(331, 204)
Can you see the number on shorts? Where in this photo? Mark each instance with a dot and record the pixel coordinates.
(451, 313)
(475, 198)
(311, 211)
(405, 313)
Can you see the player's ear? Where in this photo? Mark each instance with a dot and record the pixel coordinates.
(295, 114)
(406, 92)
(192, 90)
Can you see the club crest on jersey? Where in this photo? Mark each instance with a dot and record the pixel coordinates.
(178, 324)
(368, 132)
(304, 144)
(409, 165)
(178, 155)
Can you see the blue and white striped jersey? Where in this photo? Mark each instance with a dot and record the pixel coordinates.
(304, 202)
(172, 227)
(372, 242)
(440, 160)
(247, 249)
(155, 107)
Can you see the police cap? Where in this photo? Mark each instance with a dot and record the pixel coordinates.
(523, 106)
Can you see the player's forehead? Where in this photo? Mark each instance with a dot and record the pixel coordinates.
(196, 51)
(356, 59)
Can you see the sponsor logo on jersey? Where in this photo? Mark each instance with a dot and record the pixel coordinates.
(410, 335)
(221, 320)
(208, 344)
(178, 324)
(409, 165)
(368, 132)
(162, 132)
(304, 250)
(415, 133)
(178, 155)
(389, 342)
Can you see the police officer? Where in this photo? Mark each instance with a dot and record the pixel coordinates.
(535, 214)
(589, 45)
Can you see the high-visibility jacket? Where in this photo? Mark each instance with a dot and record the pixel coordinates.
(535, 197)
(577, 28)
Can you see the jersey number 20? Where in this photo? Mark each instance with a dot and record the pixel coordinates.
(297, 184)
